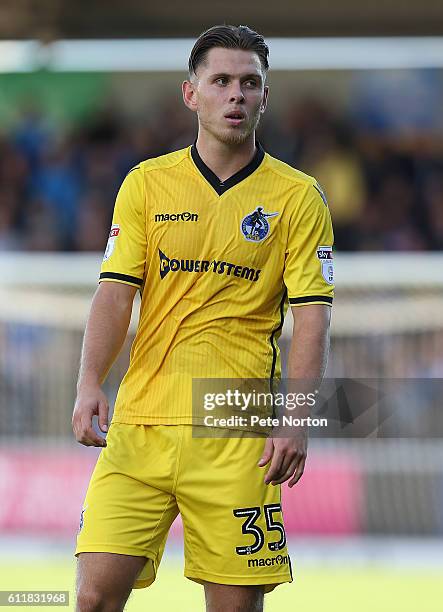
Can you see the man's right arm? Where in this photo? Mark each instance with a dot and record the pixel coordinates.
(105, 334)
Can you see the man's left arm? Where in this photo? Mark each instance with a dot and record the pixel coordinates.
(308, 357)
(308, 277)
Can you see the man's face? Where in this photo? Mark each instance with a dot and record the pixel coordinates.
(228, 93)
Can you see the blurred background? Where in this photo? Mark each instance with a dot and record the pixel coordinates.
(86, 92)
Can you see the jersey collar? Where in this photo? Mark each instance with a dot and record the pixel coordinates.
(221, 186)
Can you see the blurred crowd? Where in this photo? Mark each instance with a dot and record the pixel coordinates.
(384, 186)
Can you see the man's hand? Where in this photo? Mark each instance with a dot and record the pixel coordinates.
(306, 366)
(287, 456)
(91, 401)
(105, 334)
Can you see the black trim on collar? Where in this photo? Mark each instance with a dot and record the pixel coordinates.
(219, 186)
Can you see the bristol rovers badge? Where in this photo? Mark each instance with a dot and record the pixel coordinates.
(255, 226)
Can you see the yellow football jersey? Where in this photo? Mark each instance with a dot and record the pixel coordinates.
(217, 264)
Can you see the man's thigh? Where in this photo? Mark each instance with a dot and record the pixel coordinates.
(233, 525)
(129, 506)
(105, 580)
(224, 598)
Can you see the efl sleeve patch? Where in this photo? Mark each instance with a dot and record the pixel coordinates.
(324, 254)
(113, 235)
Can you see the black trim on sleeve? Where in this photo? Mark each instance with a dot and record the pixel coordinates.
(122, 277)
(221, 186)
(311, 298)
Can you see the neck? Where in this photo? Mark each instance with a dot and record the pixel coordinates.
(225, 159)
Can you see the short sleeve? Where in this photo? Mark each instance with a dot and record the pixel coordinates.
(125, 255)
(309, 272)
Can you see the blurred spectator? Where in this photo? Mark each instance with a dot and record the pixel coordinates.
(32, 135)
(92, 228)
(58, 189)
(40, 228)
(326, 150)
(392, 220)
(383, 179)
(434, 199)
(398, 102)
(9, 203)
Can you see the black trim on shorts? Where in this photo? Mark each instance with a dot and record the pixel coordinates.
(221, 186)
(122, 277)
(311, 298)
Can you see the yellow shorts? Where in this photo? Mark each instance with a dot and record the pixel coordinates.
(233, 530)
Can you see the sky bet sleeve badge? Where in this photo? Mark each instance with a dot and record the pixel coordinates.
(113, 234)
(324, 253)
(255, 226)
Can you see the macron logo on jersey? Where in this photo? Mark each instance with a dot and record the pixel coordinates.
(203, 265)
(184, 216)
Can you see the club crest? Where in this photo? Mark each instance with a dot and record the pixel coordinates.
(255, 226)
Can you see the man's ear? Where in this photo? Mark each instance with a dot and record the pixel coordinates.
(265, 99)
(189, 95)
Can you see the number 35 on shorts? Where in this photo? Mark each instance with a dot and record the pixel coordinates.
(250, 528)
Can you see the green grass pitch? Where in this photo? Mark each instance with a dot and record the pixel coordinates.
(313, 590)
